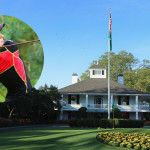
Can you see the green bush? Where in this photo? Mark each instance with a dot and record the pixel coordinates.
(117, 113)
(106, 141)
(116, 144)
(82, 113)
(106, 123)
(7, 122)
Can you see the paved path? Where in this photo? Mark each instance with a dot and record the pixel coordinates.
(32, 127)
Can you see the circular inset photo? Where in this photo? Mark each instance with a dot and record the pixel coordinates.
(21, 58)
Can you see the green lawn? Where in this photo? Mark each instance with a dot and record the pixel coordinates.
(58, 139)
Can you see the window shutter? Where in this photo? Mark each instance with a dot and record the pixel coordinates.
(69, 99)
(102, 72)
(127, 100)
(93, 72)
(119, 100)
(77, 99)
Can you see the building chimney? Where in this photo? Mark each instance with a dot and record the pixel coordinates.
(120, 79)
(74, 78)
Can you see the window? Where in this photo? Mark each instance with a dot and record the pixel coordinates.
(73, 99)
(123, 100)
(98, 99)
(96, 72)
(102, 72)
(143, 103)
(144, 100)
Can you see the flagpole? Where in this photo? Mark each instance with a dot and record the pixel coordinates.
(109, 76)
(113, 118)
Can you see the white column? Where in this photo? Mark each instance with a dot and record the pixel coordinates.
(87, 101)
(145, 103)
(112, 101)
(136, 101)
(61, 110)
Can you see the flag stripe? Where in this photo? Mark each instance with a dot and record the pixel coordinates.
(110, 34)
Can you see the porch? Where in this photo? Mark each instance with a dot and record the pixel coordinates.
(99, 103)
(102, 107)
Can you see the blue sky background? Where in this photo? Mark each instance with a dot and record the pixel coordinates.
(75, 32)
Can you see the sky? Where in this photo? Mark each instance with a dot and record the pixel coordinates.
(75, 32)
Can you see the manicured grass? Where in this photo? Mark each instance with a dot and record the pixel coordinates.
(58, 139)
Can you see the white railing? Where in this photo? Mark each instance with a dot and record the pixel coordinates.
(97, 106)
(144, 108)
(90, 106)
(73, 106)
(133, 107)
(105, 106)
(126, 107)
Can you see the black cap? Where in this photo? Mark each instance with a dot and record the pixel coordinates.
(1, 26)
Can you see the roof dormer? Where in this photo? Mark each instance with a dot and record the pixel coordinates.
(97, 72)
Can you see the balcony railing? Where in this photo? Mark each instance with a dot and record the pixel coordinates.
(98, 106)
(128, 108)
(144, 108)
(133, 107)
(73, 106)
(90, 106)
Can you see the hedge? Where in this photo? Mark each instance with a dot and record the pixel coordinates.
(7, 122)
(106, 123)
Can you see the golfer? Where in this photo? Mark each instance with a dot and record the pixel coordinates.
(13, 74)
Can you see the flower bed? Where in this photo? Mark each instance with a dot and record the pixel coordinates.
(118, 139)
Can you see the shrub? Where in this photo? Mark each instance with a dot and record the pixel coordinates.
(117, 113)
(129, 145)
(58, 121)
(116, 144)
(123, 144)
(110, 143)
(82, 113)
(106, 123)
(147, 123)
(144, 148)
(7, 122)
(106, 141)
(137, 147)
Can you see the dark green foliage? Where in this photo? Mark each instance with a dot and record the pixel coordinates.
(116, 144)
(121, 63)
(106, 141)
(38, 105)
(84, 123)
(7, 122)
(136, 74)
(107, 123)
(117, 113)
(82, 114)
(4, 112)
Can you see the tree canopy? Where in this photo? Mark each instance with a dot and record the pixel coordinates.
(42, 103)
(136, 74)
